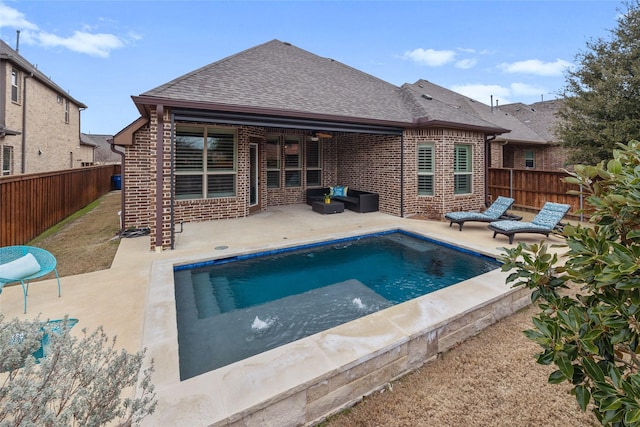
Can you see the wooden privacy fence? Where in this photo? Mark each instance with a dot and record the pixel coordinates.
(32, 203)
(531, 188)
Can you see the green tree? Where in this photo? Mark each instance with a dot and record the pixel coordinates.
(602, 95)
(589, 319)
(80, 381)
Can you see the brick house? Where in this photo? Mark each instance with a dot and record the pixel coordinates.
(258, 128)
(529, 143)
(39, 121)
(546, 153)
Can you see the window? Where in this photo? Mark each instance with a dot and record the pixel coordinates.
(462, 169)
(313, 153)
(15, 85)
(273, 162)
(66, 110)
(292, 169)
(425, 169)
(59, 99)
(529, 159)
(7, 159)
(206, 161)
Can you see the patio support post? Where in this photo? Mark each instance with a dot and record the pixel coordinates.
(159, 174)
(402, 175)
(172, 195)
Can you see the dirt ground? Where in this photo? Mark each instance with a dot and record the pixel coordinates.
(491, 379)
(85, 242)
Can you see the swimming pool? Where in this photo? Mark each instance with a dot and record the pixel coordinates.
(233, 308)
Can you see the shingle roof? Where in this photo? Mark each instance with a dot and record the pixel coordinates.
(519, 132)
(540, 116)
(281, 77)
(7, 53)
(103, 153)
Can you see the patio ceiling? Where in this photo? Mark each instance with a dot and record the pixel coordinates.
(282, 121)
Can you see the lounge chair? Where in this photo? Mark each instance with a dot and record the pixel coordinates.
(544, 222)
(23, 263)
(494, 212)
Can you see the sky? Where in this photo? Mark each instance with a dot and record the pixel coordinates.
(104, 52)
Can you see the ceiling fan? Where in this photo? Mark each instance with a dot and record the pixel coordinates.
(316, 135)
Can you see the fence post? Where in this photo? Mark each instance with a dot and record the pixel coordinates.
(511, 183)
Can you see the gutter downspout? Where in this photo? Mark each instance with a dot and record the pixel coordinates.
(3, 89)
(487, 165)
(402, 175)
(159, 175)
(23, 163)
(122, 174)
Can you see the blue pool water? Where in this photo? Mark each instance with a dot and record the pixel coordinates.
(230, 309)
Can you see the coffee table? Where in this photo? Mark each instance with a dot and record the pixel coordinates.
(328, 208)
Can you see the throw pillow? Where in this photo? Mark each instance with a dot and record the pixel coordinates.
(20, 268)
(340, 191)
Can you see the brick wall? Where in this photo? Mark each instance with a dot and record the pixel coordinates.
(444, 200)
(51, 143)
(371, 163)
(547, 157)
(361, 161)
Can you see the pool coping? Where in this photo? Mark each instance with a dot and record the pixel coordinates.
(304, 382)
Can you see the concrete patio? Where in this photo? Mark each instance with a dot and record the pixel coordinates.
(133, 301)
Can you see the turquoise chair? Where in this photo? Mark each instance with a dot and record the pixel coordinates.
(57, 327)
(24, 263)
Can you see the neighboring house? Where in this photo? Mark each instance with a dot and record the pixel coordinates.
(39, 121)
(530, 142)
(541, 117)
(103, 154)
(258, 128)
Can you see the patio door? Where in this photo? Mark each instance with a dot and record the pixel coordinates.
(254, 178)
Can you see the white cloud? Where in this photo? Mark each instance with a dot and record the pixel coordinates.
(83, 41)
(465, 64)
(483, 93)
(11, 18)
(430, 57)
(527, 90)
(537, 67)
(91, 44)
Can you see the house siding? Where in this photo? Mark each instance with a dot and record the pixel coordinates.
(512, 156)
(46, 130)
(444, 200)
(361, 161)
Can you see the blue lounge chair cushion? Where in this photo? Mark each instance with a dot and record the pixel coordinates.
(544, 222)
(497, 209)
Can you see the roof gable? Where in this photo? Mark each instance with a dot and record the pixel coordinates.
(279, 76)
(279, 79)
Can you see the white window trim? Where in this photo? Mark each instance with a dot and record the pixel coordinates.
(469, 147)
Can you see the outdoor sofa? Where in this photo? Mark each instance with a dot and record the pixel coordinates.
(355, 200)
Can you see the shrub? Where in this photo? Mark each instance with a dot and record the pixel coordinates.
(591, 333)
(79, 382)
